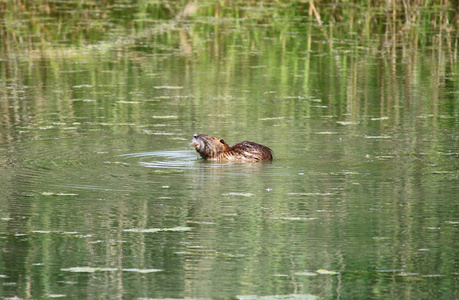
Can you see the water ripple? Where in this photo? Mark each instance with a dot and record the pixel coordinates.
(166, 159)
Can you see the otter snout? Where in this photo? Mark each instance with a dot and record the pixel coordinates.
(200, 144)
(195, 140)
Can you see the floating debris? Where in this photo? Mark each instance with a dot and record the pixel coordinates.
(293, 218)
(143, 230)
(183, 252)
(310, 194)
(81, 269)
(239, 194)
(154, 230)
(168, 87)
(444, 172)
(344, 173)
(390, 271)
(165, 117)
(128, 102)
(272, 118)
(278, 297)
(326, 272)
(345, 123)
(326, 132)
(82, 86)
(384, 157)
(143, 271)
(377, 137)
(58, 194)
(92, 270)
(229, 255)
(178, 228)
(56, 295)
(306, 273)
(407, 274)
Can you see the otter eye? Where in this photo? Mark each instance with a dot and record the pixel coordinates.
(222, 141)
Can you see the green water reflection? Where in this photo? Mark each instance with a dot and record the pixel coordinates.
(102, 195)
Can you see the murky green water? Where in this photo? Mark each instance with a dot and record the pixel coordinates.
(103, 196)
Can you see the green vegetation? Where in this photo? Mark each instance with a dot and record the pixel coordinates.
(41, 24)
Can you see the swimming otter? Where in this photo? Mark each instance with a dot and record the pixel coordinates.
(214, 148)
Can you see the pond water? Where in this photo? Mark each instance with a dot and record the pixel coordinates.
(103, 196)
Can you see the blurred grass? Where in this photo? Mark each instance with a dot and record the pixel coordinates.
(56, 50)
(38, 24)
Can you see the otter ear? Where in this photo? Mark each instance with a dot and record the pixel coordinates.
(222, 141)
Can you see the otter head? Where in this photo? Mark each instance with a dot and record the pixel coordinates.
(209, 147)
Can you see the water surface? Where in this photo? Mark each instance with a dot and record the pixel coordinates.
(103, 196)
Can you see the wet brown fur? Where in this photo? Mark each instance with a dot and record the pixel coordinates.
(214, 148)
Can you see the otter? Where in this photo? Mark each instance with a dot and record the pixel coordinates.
(214, 148)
